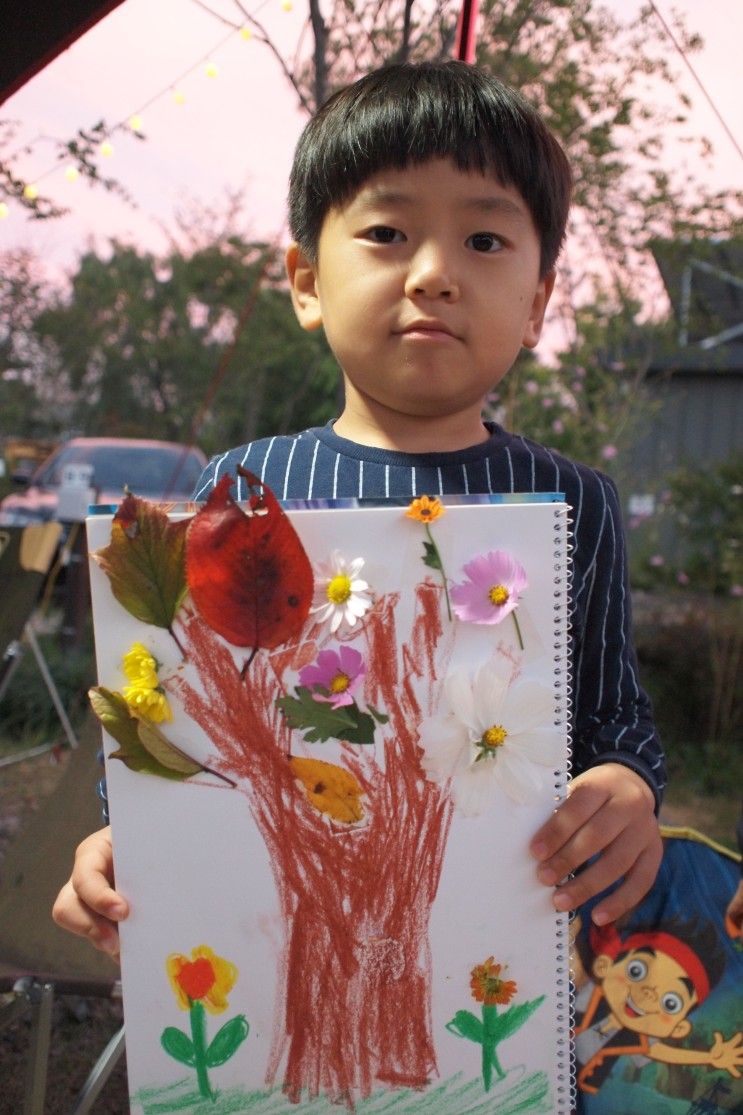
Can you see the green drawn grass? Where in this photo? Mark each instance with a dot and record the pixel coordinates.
(453, 1097)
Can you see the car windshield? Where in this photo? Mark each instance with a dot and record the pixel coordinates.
(146, 470)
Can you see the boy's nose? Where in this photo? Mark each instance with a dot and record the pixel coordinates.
(429, 275)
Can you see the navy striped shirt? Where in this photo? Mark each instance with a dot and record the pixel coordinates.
(612, 718)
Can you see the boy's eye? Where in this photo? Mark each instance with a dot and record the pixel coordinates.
(672, 1003)
(383, 234)
(484, 242)
(637, 970)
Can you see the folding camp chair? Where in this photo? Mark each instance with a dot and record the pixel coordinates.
(38, 961)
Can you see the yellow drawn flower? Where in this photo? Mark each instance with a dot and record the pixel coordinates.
(144, 696)
(205, 978)
(330, 788)
(425, 509)
(488, 987)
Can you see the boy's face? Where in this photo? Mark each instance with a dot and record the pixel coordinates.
(647, 992)
(427, 285)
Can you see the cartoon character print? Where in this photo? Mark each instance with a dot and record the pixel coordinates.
(646, 986)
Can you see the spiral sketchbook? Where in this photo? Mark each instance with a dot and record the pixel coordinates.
(330, 733)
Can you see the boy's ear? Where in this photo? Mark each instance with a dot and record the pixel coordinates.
(303, 286)
(542, 295)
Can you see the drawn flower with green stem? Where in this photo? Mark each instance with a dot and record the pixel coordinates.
(489, 987)
(202, 984)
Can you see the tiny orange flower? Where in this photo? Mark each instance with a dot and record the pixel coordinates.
(205, 978)
(425, 509)
(488, 987)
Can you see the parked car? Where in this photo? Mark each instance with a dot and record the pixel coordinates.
(156, 470)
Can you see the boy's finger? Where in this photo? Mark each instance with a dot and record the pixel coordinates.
(637, 882)
(70, 914)
(617, 860)
(577, 809)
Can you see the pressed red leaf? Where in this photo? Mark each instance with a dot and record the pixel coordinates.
(145, 561)
(248, 574)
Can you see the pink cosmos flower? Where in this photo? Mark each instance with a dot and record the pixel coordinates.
(339, 672)
(609, 452)
(495, 583)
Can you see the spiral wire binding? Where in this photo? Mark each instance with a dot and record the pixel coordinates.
(562, 578)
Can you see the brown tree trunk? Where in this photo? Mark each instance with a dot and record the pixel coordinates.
(356, 900)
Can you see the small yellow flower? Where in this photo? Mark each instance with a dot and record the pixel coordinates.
(330, 788)
(205, 978)
(148, 701)
(144, 695)
(139, 664)
(425, 510)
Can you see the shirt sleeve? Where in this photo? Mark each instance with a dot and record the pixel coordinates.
(612, 715)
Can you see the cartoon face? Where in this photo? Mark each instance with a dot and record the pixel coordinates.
(648, 992)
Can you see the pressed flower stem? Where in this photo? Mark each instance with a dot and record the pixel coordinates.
(441, 568)
(518, 629)
(198, 1036)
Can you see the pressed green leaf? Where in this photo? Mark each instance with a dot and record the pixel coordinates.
(145, 561)
(113, 713)
(503, 1025)
(321, 722)
(226, 1041)
(326, 723)
(380, 717)
(178, 1045)
(165, 752)
(466, 1025)
(431, 556)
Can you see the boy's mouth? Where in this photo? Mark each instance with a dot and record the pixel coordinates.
(427, 327)
(632, 1010)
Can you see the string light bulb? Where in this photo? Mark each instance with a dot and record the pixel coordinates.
(211, 69)
(71, 173)
(179, 96)
(246, 33)
(4, 210)
(286, 5)
(135, 123)
(106, 149)
(31, 191)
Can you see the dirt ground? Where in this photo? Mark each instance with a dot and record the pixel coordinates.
(83, 1026)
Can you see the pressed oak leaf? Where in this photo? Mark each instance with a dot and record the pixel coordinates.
(145, 561)
(248, 574)
(331, 789)
(142, 746)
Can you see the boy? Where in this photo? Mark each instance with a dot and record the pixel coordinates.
(428, 205)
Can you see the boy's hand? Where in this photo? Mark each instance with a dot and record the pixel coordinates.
(87, 905)
(609, 810)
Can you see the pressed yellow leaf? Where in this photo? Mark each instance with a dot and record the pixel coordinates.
(329, 788)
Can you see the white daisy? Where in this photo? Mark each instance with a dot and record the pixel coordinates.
(340, 595)
(494, 734)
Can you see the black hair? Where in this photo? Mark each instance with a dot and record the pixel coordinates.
(406, 114)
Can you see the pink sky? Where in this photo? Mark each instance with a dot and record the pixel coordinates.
(237, 131)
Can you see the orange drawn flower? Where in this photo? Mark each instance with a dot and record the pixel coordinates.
(425, 509)
(205, 978)
(488, 987)
(330, 788)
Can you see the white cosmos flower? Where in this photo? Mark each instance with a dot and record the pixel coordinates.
(340, 595)
(494, 734)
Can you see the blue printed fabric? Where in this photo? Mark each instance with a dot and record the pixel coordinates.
(659, 999)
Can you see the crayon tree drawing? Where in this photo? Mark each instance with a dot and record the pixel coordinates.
(358, 733)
